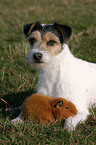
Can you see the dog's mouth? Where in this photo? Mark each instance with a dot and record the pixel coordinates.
(37, 61)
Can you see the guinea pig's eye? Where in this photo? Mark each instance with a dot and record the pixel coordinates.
(67, 107)
(51, 43)
(32, 40)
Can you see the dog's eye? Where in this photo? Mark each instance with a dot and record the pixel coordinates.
(51, 42)
(32, 40)
(67, 107)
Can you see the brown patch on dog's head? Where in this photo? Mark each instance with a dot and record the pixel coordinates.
(63, 109)
(63, 32)
(52, 43)
(34, 37)
(47, 41)
(47, 37)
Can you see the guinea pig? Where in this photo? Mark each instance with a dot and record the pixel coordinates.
(45, 109)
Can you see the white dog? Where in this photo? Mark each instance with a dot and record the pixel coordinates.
(61, 74)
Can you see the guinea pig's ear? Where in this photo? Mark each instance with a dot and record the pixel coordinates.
(64, 30)
(58, 104)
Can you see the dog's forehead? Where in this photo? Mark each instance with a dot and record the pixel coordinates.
(43, 25)
(44, 28)
(47, 28)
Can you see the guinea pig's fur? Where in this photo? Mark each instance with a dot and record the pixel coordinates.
(45, 109)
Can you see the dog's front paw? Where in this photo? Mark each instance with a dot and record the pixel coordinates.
(72, 122)
(17, 120)
(69, 124)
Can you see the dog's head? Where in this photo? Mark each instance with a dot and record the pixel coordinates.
(45, 40)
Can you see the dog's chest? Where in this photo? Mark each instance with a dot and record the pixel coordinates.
(53, 83)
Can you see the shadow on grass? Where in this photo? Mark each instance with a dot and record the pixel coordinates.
(13, 100)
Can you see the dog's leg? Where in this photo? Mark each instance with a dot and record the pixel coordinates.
(19, 119)
(72, 122)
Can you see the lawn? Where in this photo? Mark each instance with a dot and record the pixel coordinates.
(18, 80)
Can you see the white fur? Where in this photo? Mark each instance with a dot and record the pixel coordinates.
(73, 79)
(65, 76)
(45, 24)
(46, 56)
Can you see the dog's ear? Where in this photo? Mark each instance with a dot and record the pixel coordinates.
(64, 30)
(58, 104)
(28, 28)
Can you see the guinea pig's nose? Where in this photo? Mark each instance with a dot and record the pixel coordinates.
(37, 56)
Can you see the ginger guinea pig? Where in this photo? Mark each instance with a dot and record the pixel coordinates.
(45, 109)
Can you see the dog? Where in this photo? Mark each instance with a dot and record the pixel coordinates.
(60, 73)
(47, 110)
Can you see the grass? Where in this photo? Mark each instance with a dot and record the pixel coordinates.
(18, 80)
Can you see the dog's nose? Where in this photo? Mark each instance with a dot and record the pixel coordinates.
(37, 56)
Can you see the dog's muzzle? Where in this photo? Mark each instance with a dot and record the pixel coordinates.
(37, 57)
